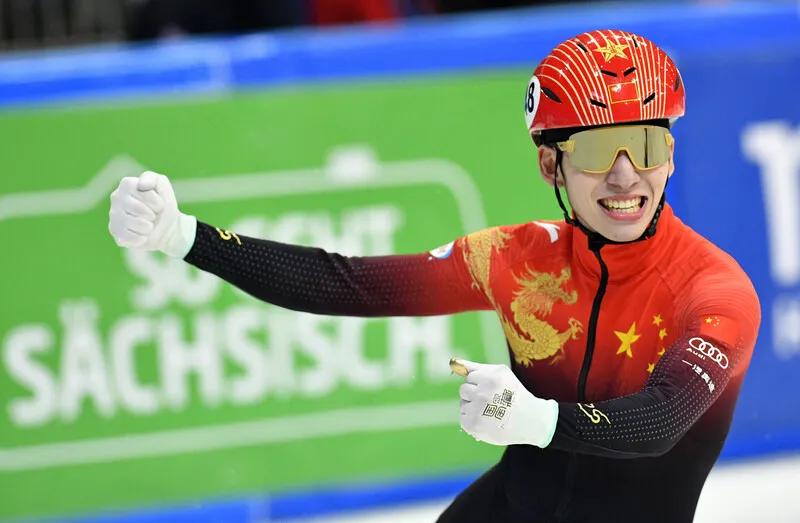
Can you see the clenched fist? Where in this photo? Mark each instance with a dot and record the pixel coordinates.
(144, 215)
(498, 409)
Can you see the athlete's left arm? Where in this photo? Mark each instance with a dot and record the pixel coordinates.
(719, 322)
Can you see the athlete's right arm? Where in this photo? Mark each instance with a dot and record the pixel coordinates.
(144, 215)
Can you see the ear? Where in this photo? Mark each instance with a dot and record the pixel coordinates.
(547, 165)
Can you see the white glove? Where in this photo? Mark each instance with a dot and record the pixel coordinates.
(144, 215)
(498, 409)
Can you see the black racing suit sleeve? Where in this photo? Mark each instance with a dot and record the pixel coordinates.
(313, 280)
(706, 362)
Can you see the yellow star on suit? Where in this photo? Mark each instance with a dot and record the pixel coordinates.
(627, 339)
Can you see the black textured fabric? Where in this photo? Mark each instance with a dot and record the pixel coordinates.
(683, 385)
(313, 280)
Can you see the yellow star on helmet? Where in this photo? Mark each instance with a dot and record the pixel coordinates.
(611, 50)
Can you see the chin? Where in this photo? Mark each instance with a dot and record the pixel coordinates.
(625, 233)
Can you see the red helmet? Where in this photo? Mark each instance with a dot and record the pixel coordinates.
(600, 78)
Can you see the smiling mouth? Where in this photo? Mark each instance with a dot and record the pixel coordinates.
(629, 206)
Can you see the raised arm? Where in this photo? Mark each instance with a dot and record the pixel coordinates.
(313, 280)
(144, 215)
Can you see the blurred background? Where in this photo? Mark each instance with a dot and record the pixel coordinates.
(135, 389)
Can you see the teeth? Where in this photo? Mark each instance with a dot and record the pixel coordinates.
(629, 206)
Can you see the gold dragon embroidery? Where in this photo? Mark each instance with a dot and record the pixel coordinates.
(538, 293)
(478, 256)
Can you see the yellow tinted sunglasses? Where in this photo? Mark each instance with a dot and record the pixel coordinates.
(596, 150)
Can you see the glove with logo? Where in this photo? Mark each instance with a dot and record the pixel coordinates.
(498, 409)
(144, 215)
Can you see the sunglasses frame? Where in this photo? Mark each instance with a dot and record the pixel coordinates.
(568, 146)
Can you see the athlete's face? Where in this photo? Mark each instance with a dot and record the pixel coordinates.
(619, 204)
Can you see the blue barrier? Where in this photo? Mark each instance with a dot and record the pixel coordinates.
(420, 47)
(738, 164)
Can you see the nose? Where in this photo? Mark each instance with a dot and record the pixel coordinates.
(623, 174)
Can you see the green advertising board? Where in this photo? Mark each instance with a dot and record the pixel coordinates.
(131, 380)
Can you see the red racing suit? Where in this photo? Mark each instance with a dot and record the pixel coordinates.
(643, 345)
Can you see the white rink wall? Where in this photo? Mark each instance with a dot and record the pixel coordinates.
(763, 491)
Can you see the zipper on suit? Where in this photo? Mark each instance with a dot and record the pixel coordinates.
(591, 333)
(591, 336)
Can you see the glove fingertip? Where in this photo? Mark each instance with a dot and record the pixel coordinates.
(148, 181)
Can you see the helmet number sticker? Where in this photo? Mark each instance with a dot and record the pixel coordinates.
(532, 100)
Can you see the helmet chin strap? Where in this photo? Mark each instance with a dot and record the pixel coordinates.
(597, 240)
